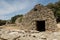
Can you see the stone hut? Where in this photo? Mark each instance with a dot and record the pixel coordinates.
(40, 18)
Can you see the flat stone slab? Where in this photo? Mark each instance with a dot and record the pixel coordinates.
(28, 35)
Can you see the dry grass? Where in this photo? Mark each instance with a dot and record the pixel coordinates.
(10, 27)
(17, 28)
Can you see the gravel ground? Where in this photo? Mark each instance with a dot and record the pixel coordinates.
(28, 35)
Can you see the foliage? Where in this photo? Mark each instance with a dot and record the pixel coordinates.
(56, 9)
(2, 22)
(13, 19)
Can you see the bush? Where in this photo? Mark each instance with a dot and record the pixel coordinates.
(2, 22)
(13, 19)
(56, 9)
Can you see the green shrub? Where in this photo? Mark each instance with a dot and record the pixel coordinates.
(13, 19)
(56, 9)
(2, 22)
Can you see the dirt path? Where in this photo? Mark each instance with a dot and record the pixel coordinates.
(9, 27)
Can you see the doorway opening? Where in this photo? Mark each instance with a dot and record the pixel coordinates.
(40, 25)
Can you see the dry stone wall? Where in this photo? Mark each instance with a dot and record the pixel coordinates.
(39, 13)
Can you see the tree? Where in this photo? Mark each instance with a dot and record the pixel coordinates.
(13, 19)
(56, 9)
(2, 22)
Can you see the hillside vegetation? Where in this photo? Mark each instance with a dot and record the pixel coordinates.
(56, 9)
(13, 19)
(2, 22)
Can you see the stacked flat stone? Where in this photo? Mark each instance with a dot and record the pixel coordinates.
(39, 13)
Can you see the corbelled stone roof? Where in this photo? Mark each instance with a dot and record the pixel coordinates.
(39, 13)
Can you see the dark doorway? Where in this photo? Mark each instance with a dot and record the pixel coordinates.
(40, 26)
